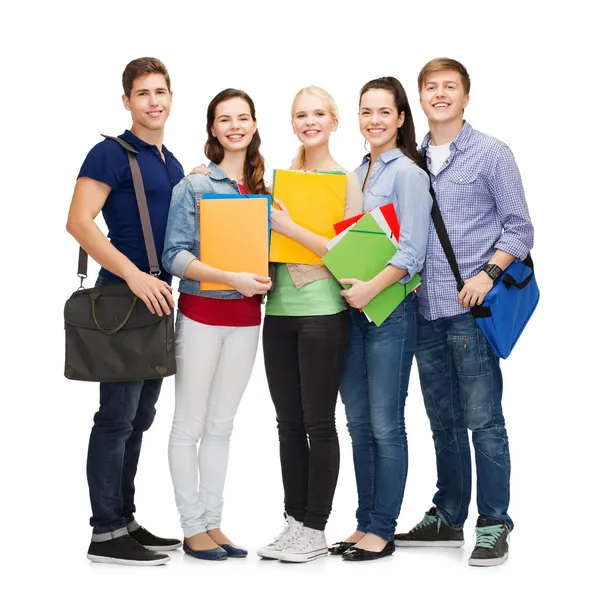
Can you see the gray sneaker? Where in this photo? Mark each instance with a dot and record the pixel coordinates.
(491, 548)
(431, 531)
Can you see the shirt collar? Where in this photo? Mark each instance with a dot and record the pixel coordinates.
(459, 142)
(135, 141)
(386, 157)
(140, 144)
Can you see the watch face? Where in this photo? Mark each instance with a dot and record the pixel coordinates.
(494, 271)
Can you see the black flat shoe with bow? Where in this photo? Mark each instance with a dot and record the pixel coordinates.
(340, 547)
(358, 554)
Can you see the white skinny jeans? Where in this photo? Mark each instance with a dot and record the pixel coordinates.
(213, 368)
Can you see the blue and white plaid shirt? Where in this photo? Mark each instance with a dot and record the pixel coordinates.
(482, 201)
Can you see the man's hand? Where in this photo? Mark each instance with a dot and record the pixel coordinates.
(475, 290)
(249, 284)
(155, 294)
(281, 221)
(360, 294)
(201, 170)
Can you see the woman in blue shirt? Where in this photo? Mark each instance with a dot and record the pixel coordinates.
(375, 379)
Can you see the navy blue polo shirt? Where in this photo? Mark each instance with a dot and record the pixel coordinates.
(107, 162)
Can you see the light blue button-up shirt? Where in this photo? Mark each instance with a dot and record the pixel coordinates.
(397, 179)
(481, 198)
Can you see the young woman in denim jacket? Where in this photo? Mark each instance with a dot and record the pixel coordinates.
(305, 339)
(217, 331)
(375, 379)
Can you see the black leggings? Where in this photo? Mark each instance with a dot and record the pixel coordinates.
(304, 358)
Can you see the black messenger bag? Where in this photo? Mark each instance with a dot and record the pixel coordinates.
(110, 334)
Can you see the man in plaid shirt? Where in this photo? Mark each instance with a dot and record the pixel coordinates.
(482, 202)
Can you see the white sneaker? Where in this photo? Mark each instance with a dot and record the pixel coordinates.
(308, 545)
(290, 531)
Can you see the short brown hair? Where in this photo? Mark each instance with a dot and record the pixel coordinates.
(445, 64)
(143, 66)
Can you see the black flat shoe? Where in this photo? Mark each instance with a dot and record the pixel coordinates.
(340, 547)
(358, 554)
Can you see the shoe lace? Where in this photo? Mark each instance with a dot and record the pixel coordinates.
(426, 521)
(289, 531)
(488, 536)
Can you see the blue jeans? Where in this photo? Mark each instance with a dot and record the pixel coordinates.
(126, 411)
(373, 389)
(462, 388)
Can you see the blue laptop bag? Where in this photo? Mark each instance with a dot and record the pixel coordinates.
(508, 306)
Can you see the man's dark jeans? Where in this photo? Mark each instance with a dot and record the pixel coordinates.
(462, 388)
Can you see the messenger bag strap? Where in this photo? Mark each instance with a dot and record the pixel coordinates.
(440, 228)
(140, 195)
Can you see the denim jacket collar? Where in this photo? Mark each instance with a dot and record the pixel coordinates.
(217, 174)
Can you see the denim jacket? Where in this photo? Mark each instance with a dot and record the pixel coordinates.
(182, 238)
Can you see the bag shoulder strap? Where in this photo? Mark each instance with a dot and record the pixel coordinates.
(140, 195)
(121, 142)
(442, 233)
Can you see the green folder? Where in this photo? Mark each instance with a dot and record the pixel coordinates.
(362, 253)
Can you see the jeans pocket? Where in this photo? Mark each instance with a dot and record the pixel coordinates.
(397, 315)
(470, 356)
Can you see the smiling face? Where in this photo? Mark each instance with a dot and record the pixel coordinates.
(233, 125)
(149, 102)
(379, 119)
(312, 120)
(443, 97)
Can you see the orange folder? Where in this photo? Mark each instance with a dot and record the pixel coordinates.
(316, 201)
(234, 234)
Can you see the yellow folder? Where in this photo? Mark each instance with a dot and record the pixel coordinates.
(234, 234)
(315, 201)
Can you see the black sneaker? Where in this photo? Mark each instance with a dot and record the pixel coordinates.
(153, 542)
(491, 548)
(124, 550)
(431, 531)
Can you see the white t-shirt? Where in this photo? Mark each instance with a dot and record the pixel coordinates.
(438, 154)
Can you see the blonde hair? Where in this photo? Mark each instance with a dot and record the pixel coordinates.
(319, 92)
(444, 64)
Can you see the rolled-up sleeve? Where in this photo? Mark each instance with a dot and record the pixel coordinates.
(507, 187)
(354, 196)
(413, 206)
(182, 229)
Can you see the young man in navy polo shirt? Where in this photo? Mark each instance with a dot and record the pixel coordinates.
(126, 409)
(482, 202)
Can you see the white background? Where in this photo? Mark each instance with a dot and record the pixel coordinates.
(535, 86)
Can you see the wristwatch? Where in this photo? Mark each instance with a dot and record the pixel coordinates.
(494, 271)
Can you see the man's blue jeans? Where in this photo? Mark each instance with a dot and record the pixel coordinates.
(373, 389)
(126, 411)
(462, 388)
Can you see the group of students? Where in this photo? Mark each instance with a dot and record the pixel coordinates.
(316, 340)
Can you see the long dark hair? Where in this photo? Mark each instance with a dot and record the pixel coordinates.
(254, 165)
(406, 139)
